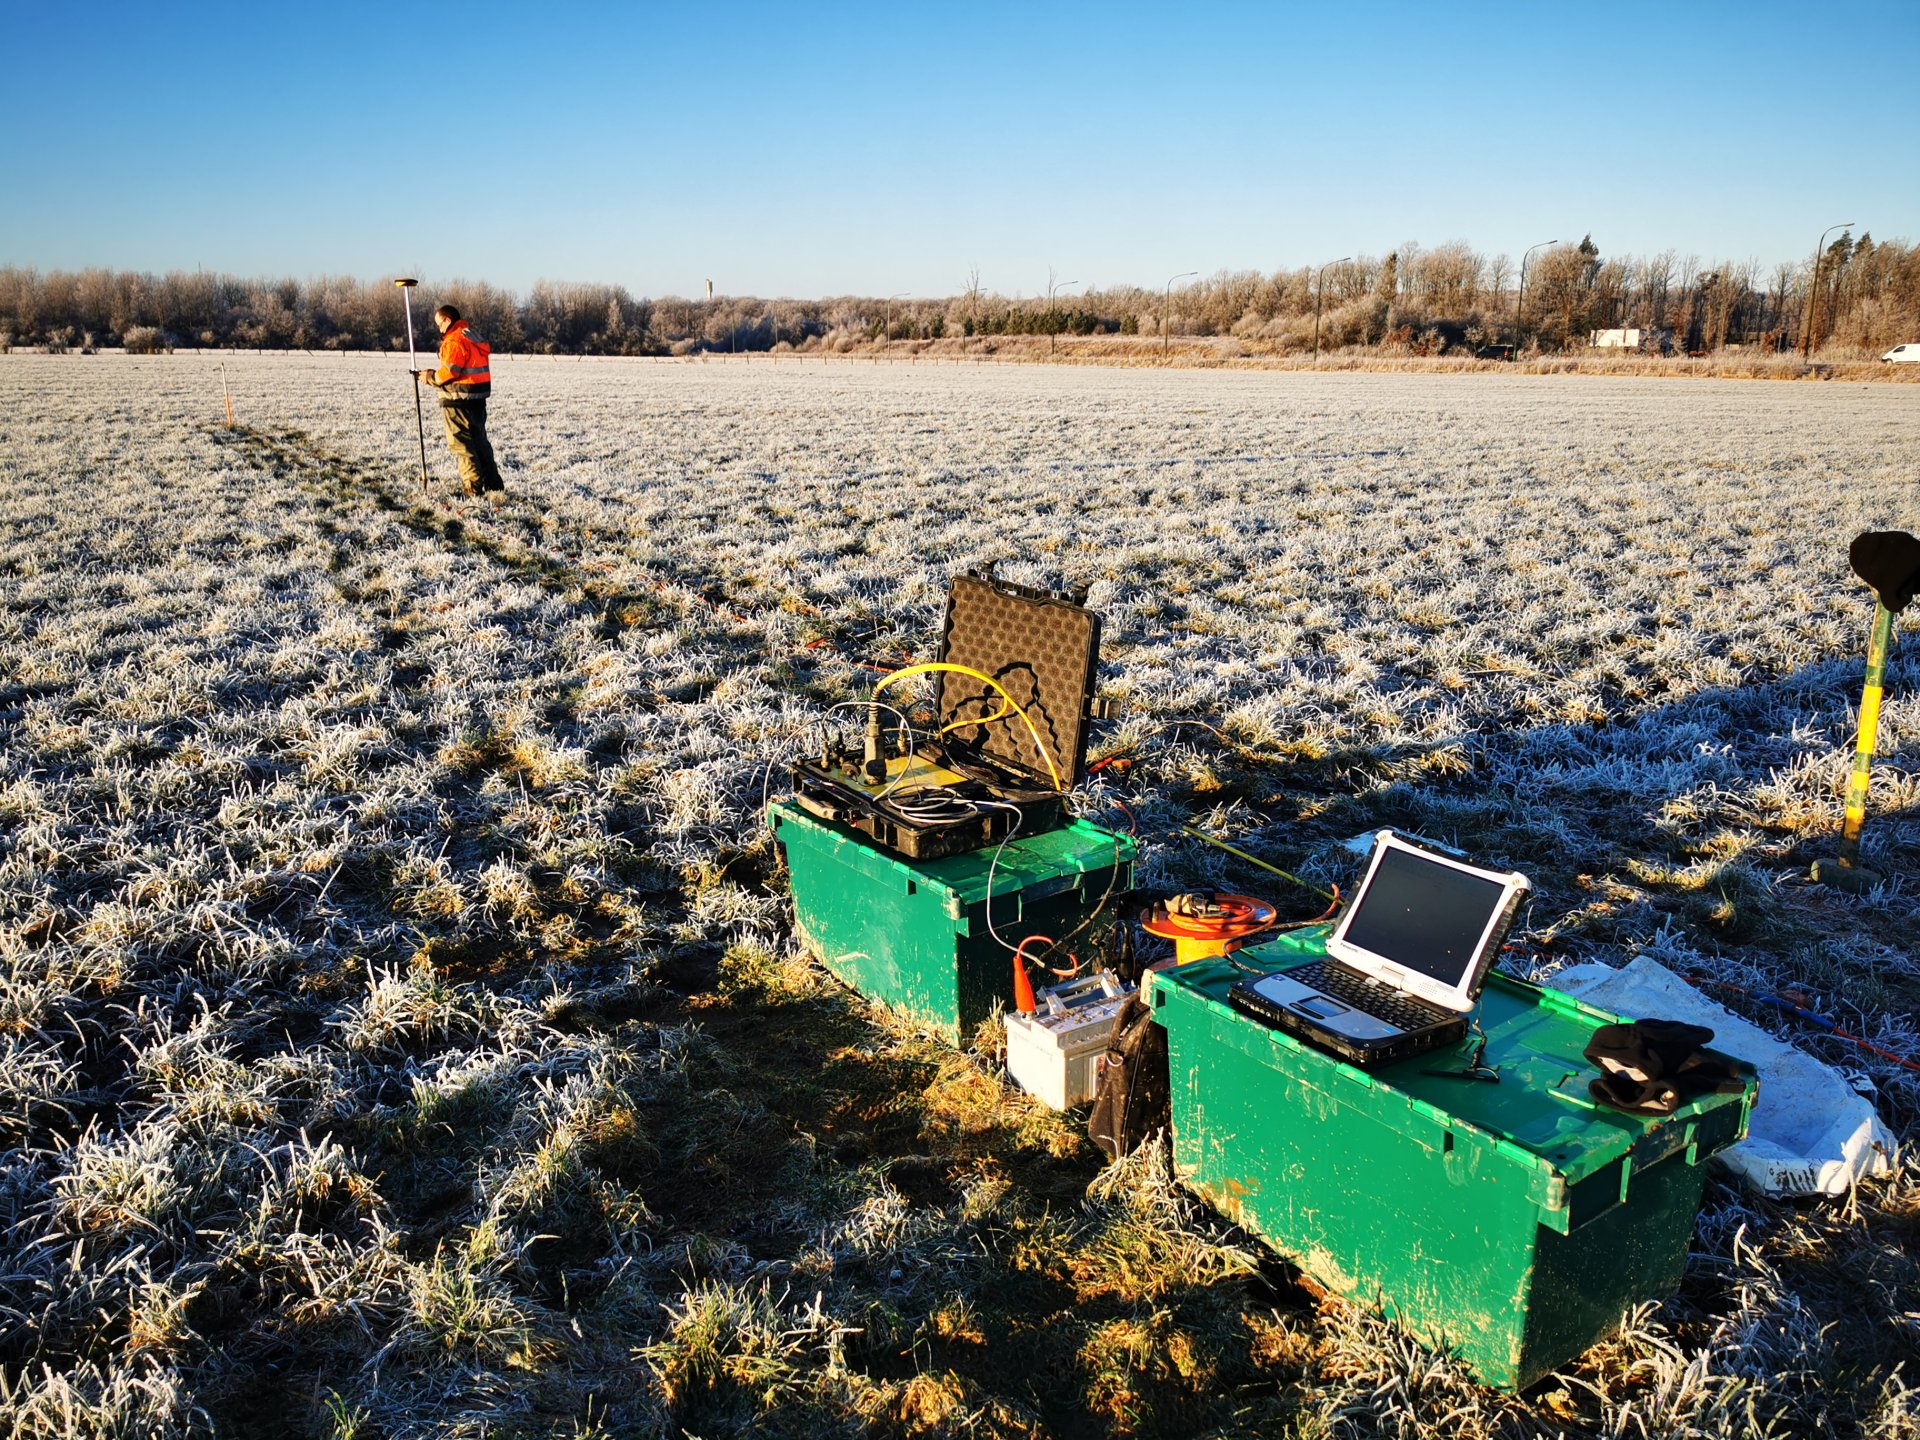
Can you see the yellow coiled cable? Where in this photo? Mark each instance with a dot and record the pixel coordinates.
(1011, 706)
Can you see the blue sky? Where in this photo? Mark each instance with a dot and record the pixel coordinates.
(817, 150)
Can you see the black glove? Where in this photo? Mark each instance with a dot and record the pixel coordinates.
(1653, 1067)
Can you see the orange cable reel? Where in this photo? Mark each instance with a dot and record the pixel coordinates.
(1205, 923)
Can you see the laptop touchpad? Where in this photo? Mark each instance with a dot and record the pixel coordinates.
(1319, 1007)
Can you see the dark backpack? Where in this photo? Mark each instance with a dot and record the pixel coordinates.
(1132, 1101)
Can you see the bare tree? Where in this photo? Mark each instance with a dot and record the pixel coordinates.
(1446, 279)
(1684, 307)
(1656, 281)
(1779, 289)
(1499, 270)
(1611, 282)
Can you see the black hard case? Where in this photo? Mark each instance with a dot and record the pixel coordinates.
(1044, 649)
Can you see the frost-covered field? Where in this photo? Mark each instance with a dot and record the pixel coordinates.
(400, 1032)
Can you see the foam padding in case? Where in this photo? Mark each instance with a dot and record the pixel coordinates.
(1044, 650)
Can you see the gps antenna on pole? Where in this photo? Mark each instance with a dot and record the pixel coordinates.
(406, 284)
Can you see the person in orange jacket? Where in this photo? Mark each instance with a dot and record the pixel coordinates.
(464, 381)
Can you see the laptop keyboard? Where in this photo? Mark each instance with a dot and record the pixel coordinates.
(1369, 995)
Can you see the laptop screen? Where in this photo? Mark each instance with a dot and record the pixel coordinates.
(1424, 914)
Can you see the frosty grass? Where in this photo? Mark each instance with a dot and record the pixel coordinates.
(401, 1031)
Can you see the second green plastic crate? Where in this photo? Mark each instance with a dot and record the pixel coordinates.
(1510, 1223)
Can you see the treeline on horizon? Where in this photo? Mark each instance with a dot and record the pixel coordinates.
(1447, 299)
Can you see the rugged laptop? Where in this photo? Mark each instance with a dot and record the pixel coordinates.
(1405, 961)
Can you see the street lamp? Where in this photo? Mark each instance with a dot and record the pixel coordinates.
(730, 344)
(1166, 304)
(1813, 291)
(886, 335)
(1318, 291)
(1520, 300)
(1051, 287)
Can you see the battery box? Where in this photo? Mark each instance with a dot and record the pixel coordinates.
(1057, 1053)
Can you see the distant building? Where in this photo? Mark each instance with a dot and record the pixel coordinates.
(1632, 339)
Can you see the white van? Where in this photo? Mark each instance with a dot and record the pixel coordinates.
(1904, 353)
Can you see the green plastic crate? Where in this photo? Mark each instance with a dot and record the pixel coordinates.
(1511, 1224)
(913, 934)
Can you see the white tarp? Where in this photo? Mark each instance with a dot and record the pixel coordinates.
(1810, 1133)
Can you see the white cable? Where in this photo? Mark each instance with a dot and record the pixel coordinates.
(766, 780)
(994, 864)
(933, 807)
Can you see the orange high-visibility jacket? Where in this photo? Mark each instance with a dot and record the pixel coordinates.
(464, 373)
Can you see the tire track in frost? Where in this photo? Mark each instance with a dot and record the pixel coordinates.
(293, 455)
(616, 607)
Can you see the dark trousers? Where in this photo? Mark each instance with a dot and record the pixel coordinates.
(467, 435)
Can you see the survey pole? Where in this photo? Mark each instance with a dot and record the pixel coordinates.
(1861, 779)
(406, 284)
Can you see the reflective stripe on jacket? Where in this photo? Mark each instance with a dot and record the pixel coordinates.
(464, 372)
